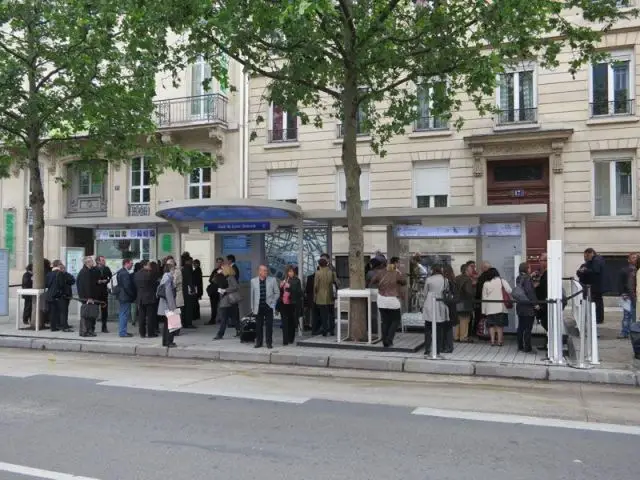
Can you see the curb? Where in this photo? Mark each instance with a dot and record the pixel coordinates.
(340, 360)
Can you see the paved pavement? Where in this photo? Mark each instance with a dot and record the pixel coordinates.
(109, 417)
(616, 366)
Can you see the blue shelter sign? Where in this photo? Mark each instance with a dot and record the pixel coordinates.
(237, 227)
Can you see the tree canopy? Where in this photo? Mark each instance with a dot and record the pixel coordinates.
(78, 78)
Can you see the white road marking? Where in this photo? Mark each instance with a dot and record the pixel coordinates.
(37, 473)
(533, 421)
(214, 392)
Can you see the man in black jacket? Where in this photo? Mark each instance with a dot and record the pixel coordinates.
(592, 273)
(103, 290)
(235, 309)
(145, 282)
(88, 292)
(215, 280)
(188, 291)
(55, 284)
(27, 283)
(199, 286)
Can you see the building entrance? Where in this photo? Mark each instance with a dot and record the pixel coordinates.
(522, 182)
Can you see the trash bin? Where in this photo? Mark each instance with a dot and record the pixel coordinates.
(634, 334)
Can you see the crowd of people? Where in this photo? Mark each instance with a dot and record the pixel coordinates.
(471, 304)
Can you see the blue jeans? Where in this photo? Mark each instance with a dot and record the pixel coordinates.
(628, 317)
(123, 317)
(225, 314)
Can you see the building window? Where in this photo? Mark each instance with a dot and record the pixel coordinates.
(364, 189)
(431, 185)
(140, 181)
(426, 120)
(613, 188)
(90, 183)
(362, 129)
(283, 185)
(284, 125)
(201, 101)
(516, 97)
(612, 89)
(200, 183)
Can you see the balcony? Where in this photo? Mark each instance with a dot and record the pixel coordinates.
(86, 194)
(278, 135)
(189, 111)
(610, 109)
(426, 124)
(139, 210)
(361, 131)
(520, 116)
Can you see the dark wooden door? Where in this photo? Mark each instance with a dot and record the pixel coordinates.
(519, 182)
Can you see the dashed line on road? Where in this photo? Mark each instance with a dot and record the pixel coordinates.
(38, 473)
(531, 421)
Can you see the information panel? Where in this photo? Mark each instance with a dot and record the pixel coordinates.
(4, 282)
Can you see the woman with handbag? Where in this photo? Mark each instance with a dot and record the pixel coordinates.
(496, 300)
(290, 302)
(390, 284)
(167, 307)
(229, 297)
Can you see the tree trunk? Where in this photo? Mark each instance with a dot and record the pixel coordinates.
(36, 202)
(357, 307)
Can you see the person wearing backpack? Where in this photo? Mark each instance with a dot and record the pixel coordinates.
(524, 294)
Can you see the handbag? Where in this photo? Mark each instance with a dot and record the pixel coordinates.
(161, 292)
(174, 322)
(506, 298)
(90, 311)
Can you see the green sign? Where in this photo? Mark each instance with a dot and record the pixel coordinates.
(166, 244)
(10, 235)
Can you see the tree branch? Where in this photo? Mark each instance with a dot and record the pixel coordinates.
(13, 53)
(274, 75)
(328, 33)
(346, 11)
(48, 77)
(376, 24)
(13, 131)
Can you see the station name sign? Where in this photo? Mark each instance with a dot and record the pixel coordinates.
(237, 227)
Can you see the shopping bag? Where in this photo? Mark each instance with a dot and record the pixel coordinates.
(173, 321)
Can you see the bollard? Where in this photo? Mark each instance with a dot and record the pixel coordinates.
(595, 357)
(434, 340)
(582, 330)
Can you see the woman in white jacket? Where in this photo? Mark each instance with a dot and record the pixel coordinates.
(496, 310)
(434, 312)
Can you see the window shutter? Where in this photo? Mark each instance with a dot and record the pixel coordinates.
(196, 79)
(431, 179)
(283, 185)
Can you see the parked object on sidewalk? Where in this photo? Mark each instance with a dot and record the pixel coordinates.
(634, 334)
(248, 329)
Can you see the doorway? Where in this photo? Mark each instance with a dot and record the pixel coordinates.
(521, 182)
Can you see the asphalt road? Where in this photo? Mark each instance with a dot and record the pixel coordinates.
(77, 425)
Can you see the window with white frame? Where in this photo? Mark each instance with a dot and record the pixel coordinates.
(201, 102)
(283, 125)
(364, 189)
(516, 96)
(431, 184)
(90, 183)
(139, 181)
(612, 89)
(426, 120)
(283, 185)
(362, 128)
(613, 184)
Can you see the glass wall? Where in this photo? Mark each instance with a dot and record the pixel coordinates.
(281, 249)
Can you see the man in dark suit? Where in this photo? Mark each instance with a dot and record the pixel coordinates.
(188, 290)
(199, 286)
(88, 292)
(145, 283)
(103, 290)
(27, 283)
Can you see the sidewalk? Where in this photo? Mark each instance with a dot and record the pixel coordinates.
(475, 359)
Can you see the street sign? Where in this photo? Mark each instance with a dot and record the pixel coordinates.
(518, 193)
(237, 227)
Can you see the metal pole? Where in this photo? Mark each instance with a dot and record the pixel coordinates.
(434, 342)
(595, 356)
(550, 330)
(558, 336)
(582, 330)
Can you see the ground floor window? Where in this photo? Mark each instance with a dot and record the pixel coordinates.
(342, 268)
(116, 245)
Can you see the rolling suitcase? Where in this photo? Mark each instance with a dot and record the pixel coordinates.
(248, 329)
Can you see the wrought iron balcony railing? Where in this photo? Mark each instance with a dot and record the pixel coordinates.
(139, 210)
(424, 124)
(361, 131)
(210, 108)
(601, 108)
(282, 135)
(515, 116)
